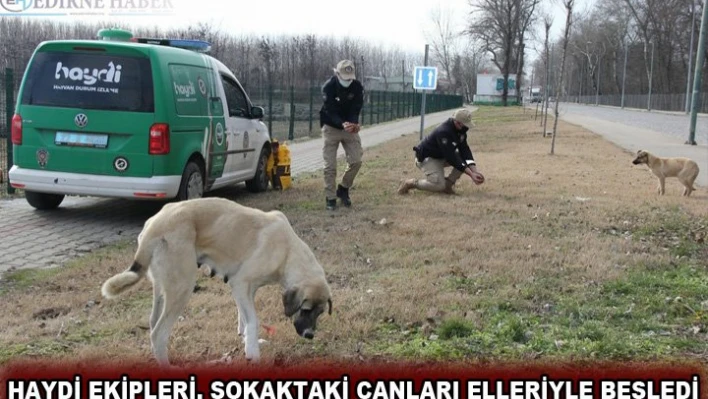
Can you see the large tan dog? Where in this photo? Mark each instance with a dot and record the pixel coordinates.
(685, 169)
(246, 247)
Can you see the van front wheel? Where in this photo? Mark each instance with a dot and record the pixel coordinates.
(44, 201)
(192, 186)
(259, 183)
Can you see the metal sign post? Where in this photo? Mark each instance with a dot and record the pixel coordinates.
(424, 78)
(700, 56)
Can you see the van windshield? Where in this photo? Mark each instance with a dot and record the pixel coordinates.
(90, 81)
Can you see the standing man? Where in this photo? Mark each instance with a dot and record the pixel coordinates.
(445, 146)
(343, 97)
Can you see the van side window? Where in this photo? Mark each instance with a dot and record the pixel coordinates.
(235, 98)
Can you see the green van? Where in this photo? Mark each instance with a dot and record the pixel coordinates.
(133, 118)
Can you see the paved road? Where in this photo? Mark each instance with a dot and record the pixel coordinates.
(672, 124)
(660, 133)
(29, 238)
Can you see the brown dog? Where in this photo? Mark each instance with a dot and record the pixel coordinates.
(685, 169)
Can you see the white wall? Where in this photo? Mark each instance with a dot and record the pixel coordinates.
(487, 85)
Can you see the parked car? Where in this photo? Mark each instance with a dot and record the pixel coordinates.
(133, 118)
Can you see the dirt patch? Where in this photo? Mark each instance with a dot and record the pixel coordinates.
(50, 313)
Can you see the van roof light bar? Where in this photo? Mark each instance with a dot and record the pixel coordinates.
(195, 45)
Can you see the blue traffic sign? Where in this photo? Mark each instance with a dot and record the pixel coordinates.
(425, 78)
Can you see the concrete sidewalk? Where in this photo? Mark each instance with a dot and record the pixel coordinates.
(633, 138)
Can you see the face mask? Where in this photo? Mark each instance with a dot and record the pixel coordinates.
(344, 83)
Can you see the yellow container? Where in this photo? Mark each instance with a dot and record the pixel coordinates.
(278, 167)
(282, 168)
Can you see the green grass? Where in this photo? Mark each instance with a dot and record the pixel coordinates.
(25, 278)
(683, 237)
(647, 314)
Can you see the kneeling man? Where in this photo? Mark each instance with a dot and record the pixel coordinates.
(446, 146)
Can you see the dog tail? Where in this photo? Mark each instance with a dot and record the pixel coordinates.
(115, 285)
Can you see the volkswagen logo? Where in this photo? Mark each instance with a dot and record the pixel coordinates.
(120, 164)
(81, 120)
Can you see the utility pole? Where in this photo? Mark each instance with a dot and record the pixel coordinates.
(690, 58)
(700, 56)
(624, 72)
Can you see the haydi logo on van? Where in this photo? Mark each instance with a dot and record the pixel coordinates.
(185, 90)
(87, 76)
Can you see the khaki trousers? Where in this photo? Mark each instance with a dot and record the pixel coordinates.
(353, 151)
(434, 170)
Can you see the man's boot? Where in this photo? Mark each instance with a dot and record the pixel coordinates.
(448, 187)
(343, 194)
(331, 204)
(405, 186)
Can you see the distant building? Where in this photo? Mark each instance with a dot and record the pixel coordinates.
(490, 88)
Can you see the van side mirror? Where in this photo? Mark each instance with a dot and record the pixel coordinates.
(257, 112)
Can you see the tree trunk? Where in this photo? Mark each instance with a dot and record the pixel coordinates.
(568, 23)
(507, 65)
(520, 69)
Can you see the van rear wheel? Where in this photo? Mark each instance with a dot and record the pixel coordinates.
(44, 201)
(192, 186)
(259, 183)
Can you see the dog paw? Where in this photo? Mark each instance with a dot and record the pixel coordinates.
(253, 356)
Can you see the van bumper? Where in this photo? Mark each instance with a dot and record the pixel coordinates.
(43, 181)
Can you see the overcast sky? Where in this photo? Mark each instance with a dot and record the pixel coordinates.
(395, 22)
(399, 23)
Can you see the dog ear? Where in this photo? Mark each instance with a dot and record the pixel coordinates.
(329, 302)
(292, 298)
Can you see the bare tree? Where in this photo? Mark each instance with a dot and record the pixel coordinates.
(568, 4)
(501, 27)
(495, 25)
(444, 38)
(471, 59)
(547, 23)
(527, 12)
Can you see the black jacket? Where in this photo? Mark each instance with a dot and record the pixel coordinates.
(341, 104)
(448, 143)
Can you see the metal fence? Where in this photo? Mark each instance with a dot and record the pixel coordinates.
(294, 113)
(290, 113)
(659, 102)
(7, 108)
